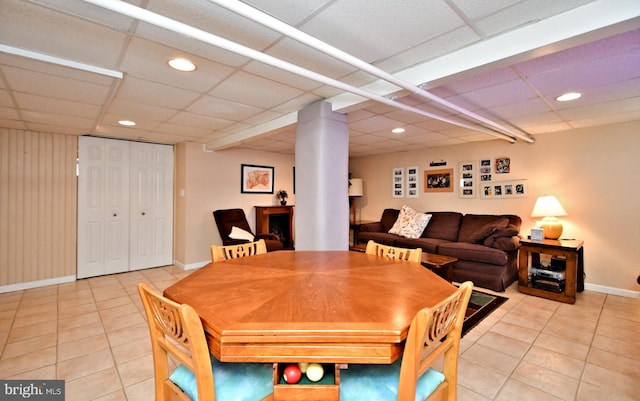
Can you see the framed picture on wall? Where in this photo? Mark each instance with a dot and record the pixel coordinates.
(467, 182)
(397, 182)
(504, 189)
(256, 179)
(412, 182)
(438, 180)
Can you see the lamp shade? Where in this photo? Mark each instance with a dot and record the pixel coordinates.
(355, 189)
(548, 206)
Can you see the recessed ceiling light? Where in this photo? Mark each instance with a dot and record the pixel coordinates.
(569, 96)
(397, 130)
(127, 123)
(181, 64)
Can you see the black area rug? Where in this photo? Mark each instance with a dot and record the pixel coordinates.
(480, 306)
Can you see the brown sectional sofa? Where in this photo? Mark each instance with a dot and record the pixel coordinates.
(486, 246)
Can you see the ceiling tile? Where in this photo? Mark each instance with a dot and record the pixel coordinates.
(138, 90)
(254, 90)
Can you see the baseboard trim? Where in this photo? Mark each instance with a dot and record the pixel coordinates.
(612, 290)
(36, 284)
(191, 266)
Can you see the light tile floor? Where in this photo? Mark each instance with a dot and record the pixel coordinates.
(92, 334)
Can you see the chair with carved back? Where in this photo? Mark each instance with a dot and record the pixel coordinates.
(393, 252)
(223, 252)
(434, 336)
(177, 333)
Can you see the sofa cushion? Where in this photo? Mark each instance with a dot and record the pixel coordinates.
(473, 252)
(473, 222)
(429, 245)
(389, 217)
(381, 238)
(496, 239)
(410, 223)
(443, 225)
(486, 230)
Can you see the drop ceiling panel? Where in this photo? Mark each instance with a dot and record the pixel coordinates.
(222, 108)
(497, 95)
(38, 29)
(53, 69)
(155, 94)
(380, 29)
(40, 117)
(199, 121)
(435, 47)
(375, 124)
(148, 60)
(589, 74)
(132, 110)
(111, 120)
(291, 12)
(209, 17)
(63, 107)
(91, 12)
(189, 45)
(55, 87)
(8, 113)
(523, 13)
(253, 90)
(304, 56)
(5, 98)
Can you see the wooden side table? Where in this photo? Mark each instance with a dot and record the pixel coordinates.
(355, 227)
(439, 264)
(570, 251)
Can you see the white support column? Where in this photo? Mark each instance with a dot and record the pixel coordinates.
(322, 163)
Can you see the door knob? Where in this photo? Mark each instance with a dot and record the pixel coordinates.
(115, 215)
(143, 213)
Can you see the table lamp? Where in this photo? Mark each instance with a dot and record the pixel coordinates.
(549, 209)
(355, 190)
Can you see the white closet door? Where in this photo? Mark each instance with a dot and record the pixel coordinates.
(151, 205)
(103, 207)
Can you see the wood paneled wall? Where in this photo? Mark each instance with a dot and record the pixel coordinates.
(38, 187)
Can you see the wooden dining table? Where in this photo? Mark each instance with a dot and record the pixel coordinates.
(309, 306)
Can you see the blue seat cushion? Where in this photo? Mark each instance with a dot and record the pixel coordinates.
(380, 382)
(232, 381)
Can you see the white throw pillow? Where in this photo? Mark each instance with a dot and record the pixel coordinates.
(410, 223)
(239, 233)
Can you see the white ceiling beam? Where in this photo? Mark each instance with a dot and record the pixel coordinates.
(60, 61)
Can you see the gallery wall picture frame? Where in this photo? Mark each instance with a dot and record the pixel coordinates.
(440, 180)
(397, 182)
(485, 170)
(413, 186)
(504, 189)
(467, 182)
(256, 179)
(503, 165)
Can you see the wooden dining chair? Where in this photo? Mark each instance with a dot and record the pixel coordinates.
(176, 331)
(434, 333)
(223, 252)
(393, 252)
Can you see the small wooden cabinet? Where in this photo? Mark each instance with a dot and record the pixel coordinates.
(276, 220)
(552, 269)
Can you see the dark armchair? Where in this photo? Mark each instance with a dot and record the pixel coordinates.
(226, 219)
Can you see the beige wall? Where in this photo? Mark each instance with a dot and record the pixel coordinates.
(38, 189)
(593, 172)
(211, 180)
